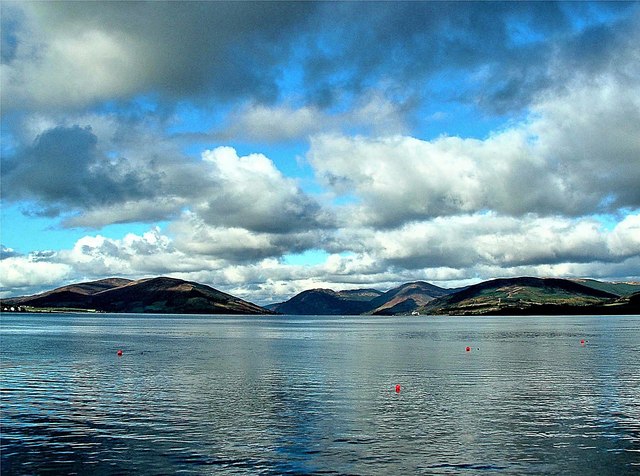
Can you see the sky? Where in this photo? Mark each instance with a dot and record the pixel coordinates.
(266, 148)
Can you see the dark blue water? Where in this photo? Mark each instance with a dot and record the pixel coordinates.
(256, 395)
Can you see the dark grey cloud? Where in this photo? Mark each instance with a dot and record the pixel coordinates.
(497, 54)
(63, 169)
(270, 214)
(198, 50)
(197, 238)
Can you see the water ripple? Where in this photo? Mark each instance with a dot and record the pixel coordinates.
(255, 396)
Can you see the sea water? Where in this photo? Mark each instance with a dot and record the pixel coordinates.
(317, 395)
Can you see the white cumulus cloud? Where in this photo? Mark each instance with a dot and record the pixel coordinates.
(30, 272)
(577, 154)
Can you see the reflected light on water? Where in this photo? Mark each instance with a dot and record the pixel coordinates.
(297, 395)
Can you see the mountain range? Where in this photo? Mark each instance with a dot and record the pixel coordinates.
(401, 300)
(514, 296)
(523, 295)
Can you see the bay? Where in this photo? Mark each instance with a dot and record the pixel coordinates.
(317, 395)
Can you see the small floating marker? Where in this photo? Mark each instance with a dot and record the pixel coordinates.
(398, 388)
(468, 349)
(119, 353)
(582, 341)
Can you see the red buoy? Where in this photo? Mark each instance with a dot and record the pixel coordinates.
(468, 349)
(582, 342)
(119, 353)
(398, 388)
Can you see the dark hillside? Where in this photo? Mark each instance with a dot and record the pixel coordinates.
(169, 295)
(550, 286)
(71, 296)
(327, 302)
(617, 288)
(520, 296)
(158, 295)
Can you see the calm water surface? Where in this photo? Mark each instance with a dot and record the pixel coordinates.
(256, 395)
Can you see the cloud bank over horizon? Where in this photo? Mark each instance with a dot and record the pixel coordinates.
(268, 148)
